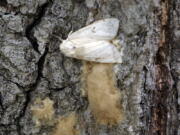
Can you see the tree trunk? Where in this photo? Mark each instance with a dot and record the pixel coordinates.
(43, 92)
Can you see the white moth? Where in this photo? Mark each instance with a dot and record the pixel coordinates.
(94, 42)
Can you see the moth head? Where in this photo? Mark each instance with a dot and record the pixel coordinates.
(67, 47)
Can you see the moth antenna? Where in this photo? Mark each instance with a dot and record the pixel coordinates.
(59, 38)
(70, 33)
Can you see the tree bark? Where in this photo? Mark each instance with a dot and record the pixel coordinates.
(43, 92)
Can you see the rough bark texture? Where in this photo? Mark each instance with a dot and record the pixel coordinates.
(40, 88)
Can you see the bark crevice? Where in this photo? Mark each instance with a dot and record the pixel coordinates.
(3, 3)
(29, 34)
(36, 20)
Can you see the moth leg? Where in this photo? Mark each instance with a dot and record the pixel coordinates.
(59, 38)
(116, 43)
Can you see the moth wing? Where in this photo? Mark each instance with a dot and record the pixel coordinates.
(98, 51)
(105, 29)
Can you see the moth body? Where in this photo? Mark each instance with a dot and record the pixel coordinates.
(94, 42)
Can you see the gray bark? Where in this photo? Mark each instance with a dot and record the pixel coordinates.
(34, 73)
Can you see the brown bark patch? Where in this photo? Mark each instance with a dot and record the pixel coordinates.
(162, 73)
